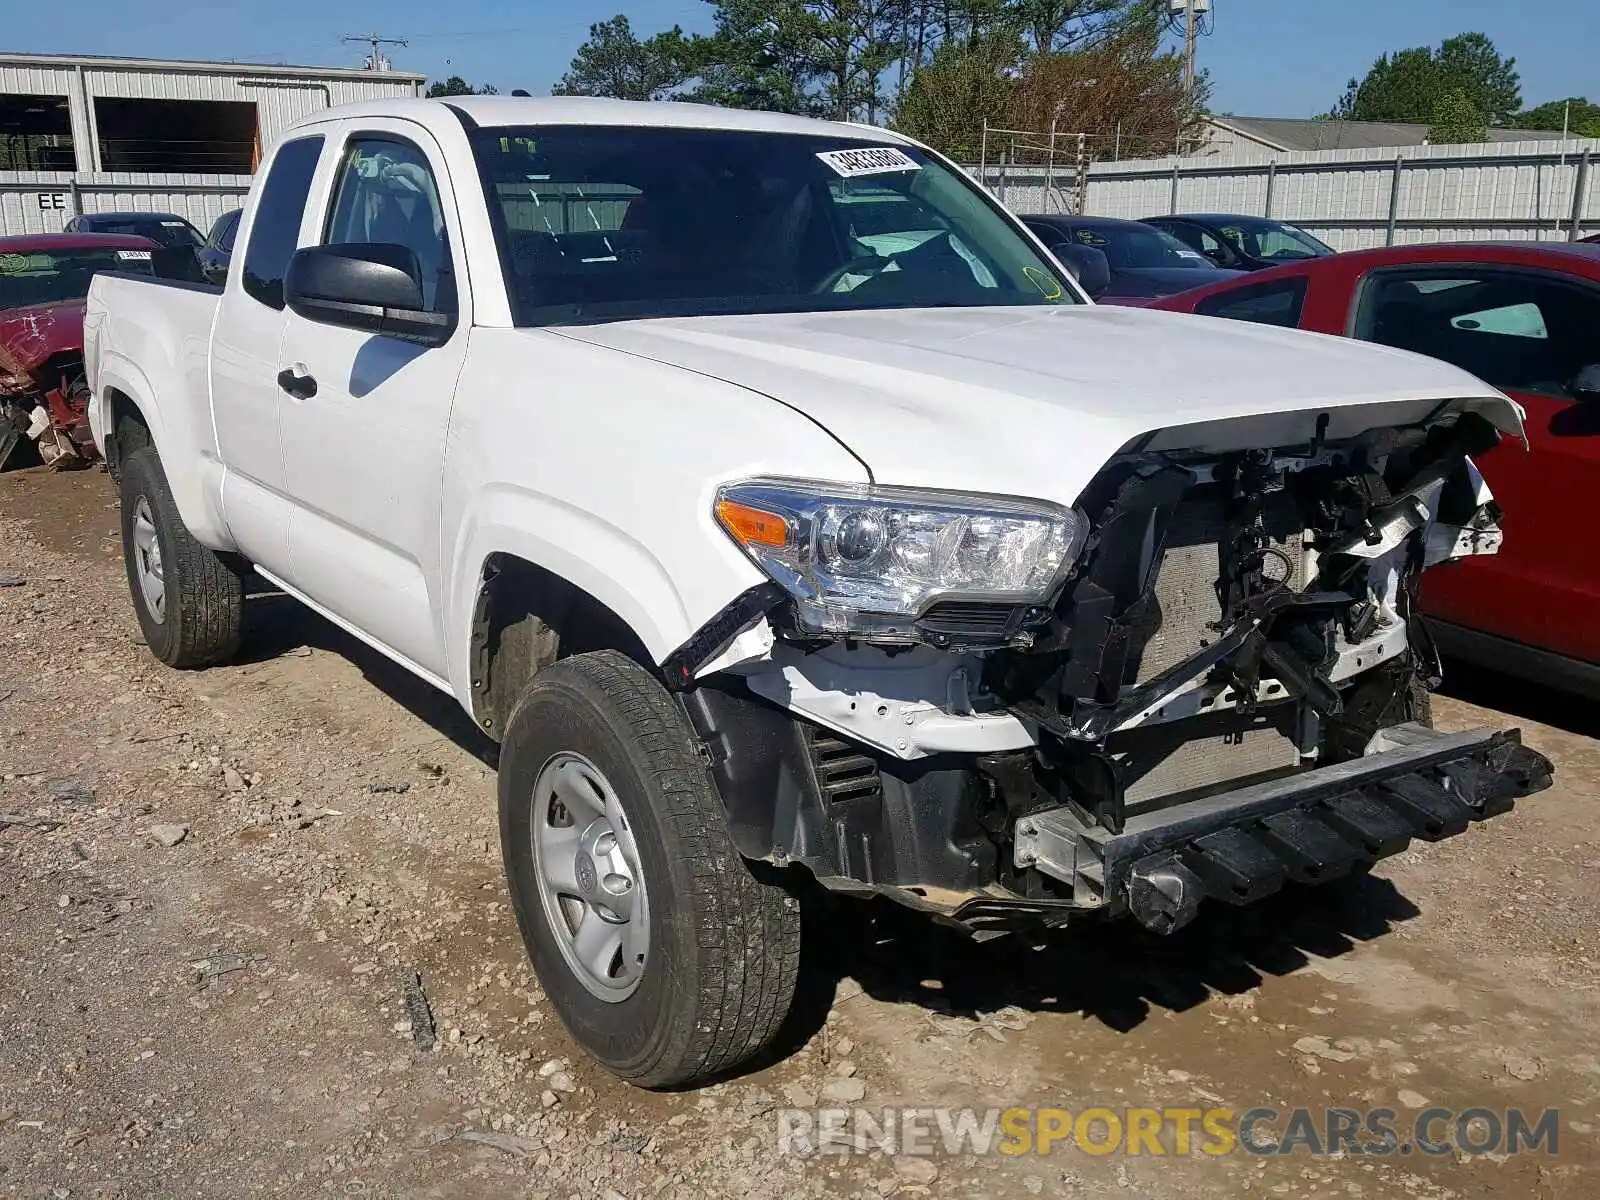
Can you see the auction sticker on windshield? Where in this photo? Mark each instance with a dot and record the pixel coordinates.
(877, 160)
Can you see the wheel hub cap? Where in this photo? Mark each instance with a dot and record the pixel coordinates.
(147, 562)
(591, 888)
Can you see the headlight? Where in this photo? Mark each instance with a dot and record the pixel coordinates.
(860, 559)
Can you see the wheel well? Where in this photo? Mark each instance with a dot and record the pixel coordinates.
(126, 430)
(526, 618)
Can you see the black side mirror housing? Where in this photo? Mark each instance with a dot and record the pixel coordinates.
(1089, 267)
(1586, 383)
(372, 286)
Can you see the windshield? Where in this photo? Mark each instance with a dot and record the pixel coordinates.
(1274, 240)
(1132, 247)
(167, 231)
(598, 224)
(41, 276)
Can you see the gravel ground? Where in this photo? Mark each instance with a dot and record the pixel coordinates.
(218, 888)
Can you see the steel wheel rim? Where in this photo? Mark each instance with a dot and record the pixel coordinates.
(147, 562)
(591, 887)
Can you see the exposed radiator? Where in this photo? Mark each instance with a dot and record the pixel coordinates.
(1204, 751)
(1163, 768)
(1186, 585)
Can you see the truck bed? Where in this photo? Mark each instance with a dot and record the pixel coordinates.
(148, 340)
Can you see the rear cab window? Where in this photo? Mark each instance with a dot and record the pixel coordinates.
(275, 227)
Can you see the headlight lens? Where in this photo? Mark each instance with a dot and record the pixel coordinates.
(845, 553)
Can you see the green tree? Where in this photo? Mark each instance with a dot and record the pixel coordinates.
(1399, 87)
(761, 55)
(1471, 63)
(613, 62)
(1054, 26)
(1407, 85)
(457, 86)
(813, 57)
(948, 100)
(1580, 117)
(1456, 119)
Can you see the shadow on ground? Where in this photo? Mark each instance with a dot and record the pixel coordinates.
(1111, 972)
(1521, 698)
(276, 624)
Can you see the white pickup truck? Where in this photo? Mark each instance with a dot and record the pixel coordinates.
(790, 516)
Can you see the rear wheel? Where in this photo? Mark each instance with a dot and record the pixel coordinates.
(188, 598)
(667, 959)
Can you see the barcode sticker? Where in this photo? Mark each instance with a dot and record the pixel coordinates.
(874, 160)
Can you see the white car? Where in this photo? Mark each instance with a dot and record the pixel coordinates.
(775, 550)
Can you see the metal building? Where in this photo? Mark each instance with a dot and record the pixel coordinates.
(89, 134)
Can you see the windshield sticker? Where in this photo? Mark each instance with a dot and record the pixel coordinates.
(172, 224)
(1190, 254)
(878, 160)
(134, 255)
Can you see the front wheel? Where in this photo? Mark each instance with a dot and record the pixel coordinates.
(188, 598)
(668, 961)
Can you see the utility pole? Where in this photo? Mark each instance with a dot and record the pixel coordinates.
(1192, 11)
(377, 61)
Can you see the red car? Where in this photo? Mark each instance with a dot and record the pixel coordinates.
(44, 279)
(1526, 318)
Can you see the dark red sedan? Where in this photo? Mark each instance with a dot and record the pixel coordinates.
(44, 279)
(1526, 318)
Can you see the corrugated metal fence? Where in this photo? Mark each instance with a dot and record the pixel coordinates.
(1352, 199)
(44, 201)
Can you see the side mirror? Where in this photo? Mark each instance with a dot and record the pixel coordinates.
(372, 286)
(1585, 384)
(1089, 267)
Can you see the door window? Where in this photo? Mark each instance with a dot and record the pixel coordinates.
(1519, 330)
(386, 192)
(1265, 304)
(279, 208)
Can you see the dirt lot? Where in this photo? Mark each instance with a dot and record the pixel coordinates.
(225, 1016)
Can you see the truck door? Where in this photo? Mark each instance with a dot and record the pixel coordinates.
(365, 415)
(244, 360)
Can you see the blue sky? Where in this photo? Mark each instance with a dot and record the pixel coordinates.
(1266, 57)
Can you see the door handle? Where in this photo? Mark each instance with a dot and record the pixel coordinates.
(301, 387)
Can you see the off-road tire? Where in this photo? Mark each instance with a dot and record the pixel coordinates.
(724, 946)
(204, 593)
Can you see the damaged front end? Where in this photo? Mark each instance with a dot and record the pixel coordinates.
(1206, 679)
(44, 394)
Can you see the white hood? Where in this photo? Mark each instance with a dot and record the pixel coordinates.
(1033, 401)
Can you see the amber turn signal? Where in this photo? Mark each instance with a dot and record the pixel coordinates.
(752, 526)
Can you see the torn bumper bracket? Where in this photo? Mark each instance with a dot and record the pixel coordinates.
(1241, 845)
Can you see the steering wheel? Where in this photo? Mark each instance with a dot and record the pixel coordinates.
(865, 264)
